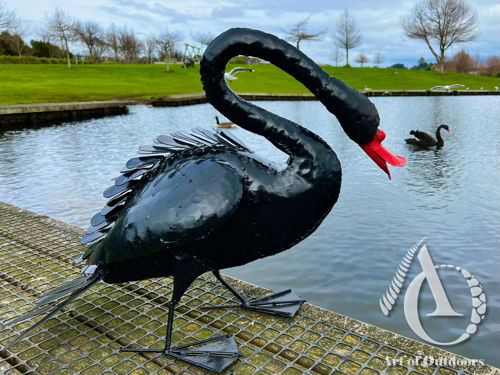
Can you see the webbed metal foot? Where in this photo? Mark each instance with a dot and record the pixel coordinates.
(285, 303)
(213, 354)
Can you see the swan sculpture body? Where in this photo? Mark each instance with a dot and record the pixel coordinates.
(423, 139)
(203, 201)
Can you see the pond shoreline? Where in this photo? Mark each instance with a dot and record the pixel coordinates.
(48, 113)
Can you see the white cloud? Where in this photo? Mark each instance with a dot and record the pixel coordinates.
(379, 21)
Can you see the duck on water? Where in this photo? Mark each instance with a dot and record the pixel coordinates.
(202, 201)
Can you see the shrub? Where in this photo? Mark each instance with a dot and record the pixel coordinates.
(35, 60)
(239, 60)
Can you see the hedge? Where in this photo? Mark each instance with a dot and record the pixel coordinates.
(36, 60)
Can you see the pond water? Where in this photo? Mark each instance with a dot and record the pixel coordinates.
(451, 196)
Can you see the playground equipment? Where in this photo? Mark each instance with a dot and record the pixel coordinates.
(190, 55)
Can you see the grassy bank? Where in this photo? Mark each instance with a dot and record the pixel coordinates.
(20, 83)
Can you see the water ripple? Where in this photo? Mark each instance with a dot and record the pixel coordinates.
(451, 195)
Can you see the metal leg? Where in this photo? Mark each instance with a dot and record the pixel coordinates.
(230, 288)
(284, 303)
(213, 354)
(170, 324)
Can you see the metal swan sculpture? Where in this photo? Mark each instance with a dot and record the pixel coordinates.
(423, 139)
(202, 201)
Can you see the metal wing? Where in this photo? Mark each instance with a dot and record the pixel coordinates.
(177, 207)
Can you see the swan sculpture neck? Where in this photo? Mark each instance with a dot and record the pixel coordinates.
(357, 115)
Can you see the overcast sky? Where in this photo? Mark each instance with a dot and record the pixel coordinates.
(378, 21)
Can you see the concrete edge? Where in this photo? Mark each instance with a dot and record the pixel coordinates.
(58, 107)
(344, 322)
(197, 98)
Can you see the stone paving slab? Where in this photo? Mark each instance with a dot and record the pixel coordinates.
(36, 254)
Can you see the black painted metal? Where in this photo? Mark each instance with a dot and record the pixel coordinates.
(214, 354)
(204, 208)
(285, 303)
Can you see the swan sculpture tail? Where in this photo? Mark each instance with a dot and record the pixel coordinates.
(54, 301)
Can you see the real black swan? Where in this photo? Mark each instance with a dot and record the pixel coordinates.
(423, 139)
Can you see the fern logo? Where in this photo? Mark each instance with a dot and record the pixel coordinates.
(443, 306)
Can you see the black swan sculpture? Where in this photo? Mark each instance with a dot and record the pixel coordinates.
(202, 201)
(423, 139)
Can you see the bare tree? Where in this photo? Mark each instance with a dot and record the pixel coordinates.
(7, 17)
(298, 33)
(492, 65)
(348, 35)
(129, 46)
(462, 62)
(46, 37)
(378, 58)
(14, 35)
(61, 26)
(151, 46)
(361, 59)
(92, 35)
(476, 62)
(337, 56)
(17, 38)
(112, 41)
(442, 23)
(203, 38)
(166, 43)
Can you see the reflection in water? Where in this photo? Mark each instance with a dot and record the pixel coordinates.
(451, 195)
(433, 173)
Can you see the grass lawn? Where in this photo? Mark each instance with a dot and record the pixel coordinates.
(26, 83)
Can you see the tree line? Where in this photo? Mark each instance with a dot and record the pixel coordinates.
(439, 23)
(61, 31)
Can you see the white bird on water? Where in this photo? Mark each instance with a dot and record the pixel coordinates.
(446, 88)
(231, 75)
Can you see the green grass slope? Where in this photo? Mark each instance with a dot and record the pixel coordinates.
(25, 83)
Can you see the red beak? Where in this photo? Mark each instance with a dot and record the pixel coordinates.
(380, 155)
